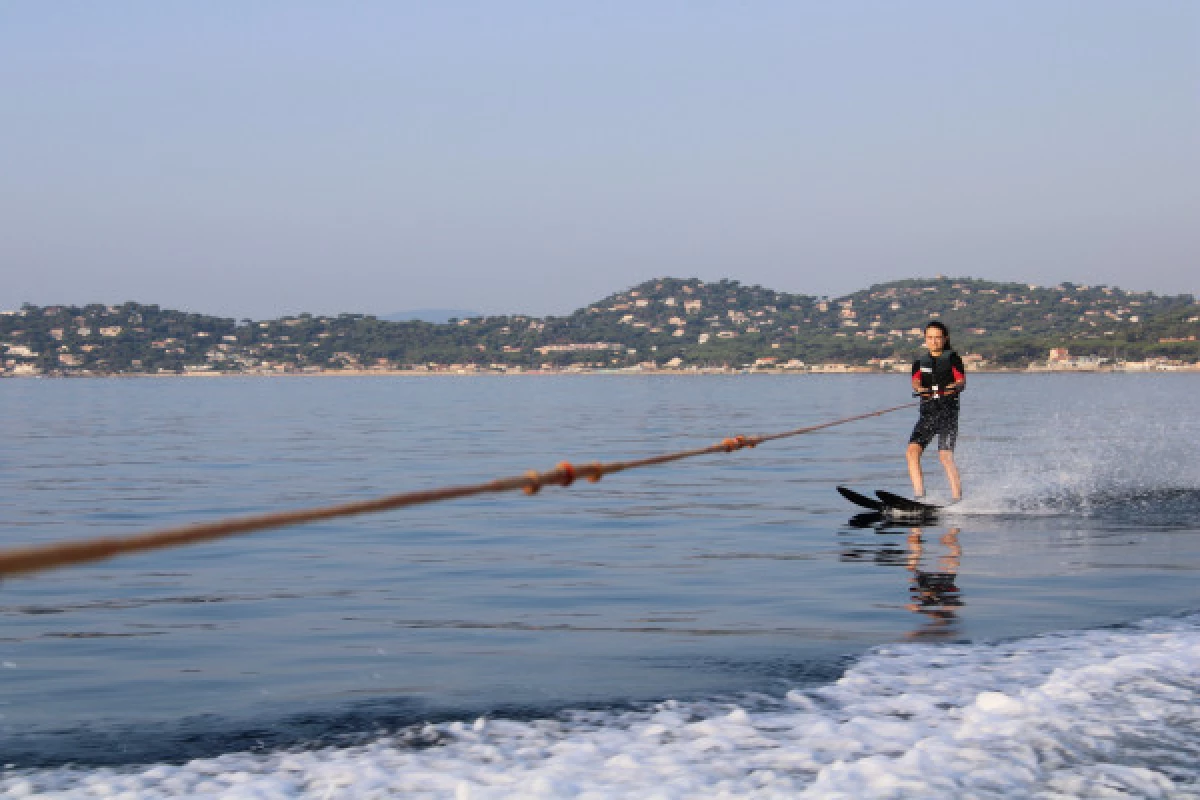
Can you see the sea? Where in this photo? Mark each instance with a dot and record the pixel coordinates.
(726, 626)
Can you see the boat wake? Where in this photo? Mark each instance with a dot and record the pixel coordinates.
(1109, 712)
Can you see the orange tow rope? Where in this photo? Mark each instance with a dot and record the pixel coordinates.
(25, 560)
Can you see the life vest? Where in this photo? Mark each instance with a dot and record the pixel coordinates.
(937, 373)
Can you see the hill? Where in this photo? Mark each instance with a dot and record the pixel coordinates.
(437, 315)
(665, 322)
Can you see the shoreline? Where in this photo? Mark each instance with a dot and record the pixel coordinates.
(464, 373)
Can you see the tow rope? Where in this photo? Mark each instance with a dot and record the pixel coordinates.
(26, 560)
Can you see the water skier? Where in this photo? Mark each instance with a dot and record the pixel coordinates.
(938, 377)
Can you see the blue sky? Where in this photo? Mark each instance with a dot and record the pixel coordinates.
(252, 159)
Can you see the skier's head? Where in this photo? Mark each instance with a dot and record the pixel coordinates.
(937, 336)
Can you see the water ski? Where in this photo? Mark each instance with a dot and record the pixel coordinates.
(902, 505)
(892, 505)
(861, 499)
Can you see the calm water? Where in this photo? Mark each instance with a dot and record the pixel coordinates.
(609, 638)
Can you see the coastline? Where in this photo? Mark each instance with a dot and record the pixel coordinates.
(630, 371)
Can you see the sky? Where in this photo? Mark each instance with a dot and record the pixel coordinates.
(256, 159)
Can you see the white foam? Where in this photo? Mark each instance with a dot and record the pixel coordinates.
(1087, 714)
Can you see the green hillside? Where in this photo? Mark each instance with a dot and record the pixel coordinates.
(670, 322)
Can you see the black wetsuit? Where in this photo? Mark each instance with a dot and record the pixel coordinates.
(939, 415)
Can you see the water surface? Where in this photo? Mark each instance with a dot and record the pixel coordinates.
(737, 581)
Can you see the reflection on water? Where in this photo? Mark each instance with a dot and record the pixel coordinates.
(934, 592)
(933, 570)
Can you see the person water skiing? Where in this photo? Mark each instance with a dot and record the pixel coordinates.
(938, 377)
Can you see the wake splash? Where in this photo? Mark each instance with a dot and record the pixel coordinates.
(1107, 712)
(1159, 507)
(1096, 454)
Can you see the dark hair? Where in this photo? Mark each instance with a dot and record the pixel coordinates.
(945, 331)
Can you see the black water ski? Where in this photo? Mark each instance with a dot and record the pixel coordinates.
(861, 499)
(902, 505)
